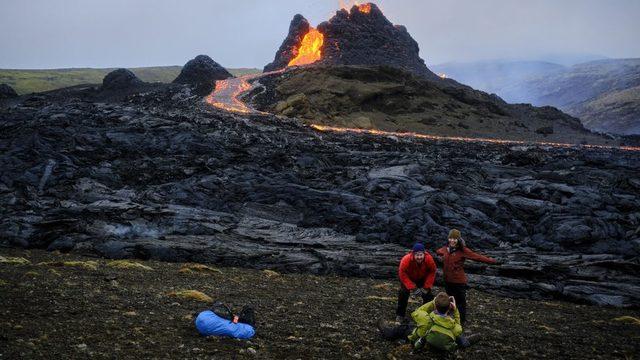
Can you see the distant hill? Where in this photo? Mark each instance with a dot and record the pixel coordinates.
(604, 94)
(28, 81)
(496, 76)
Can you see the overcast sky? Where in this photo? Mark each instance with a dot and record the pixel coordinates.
(246, 33)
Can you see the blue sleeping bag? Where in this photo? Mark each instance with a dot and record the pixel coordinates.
(208, 323)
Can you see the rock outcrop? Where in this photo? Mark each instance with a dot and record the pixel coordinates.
(7, 92)
(202, 73)
(120, 79)
(358, 37)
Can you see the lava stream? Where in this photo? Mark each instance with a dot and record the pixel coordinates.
(227, 92)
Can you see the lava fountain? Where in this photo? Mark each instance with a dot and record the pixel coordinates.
(310, 49)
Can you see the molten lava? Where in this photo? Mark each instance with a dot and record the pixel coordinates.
(309, 50)
(363, 8)
(442, 76)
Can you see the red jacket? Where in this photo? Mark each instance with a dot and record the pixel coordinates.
(410, 271)
(453, 268)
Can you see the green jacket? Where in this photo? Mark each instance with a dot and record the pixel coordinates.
(427, 320)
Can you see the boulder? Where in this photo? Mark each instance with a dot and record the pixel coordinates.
(202, 73)
(7, 92)
(120, 79)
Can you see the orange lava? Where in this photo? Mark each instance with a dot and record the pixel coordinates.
(310, 48)
(225, 96)
(365, 8)
(227, 92)
(465, 139)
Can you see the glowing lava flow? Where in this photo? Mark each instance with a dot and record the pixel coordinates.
(309, 50)
(226, 94)
(363, 8)
(464, 139)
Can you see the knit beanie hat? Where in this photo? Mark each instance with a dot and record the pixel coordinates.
(418, 247)
(442, 302)
(454, 234)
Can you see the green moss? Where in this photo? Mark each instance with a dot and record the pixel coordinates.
(128, 264)
(200, 268)
(191, 295)
(14, 260)
(87, 265)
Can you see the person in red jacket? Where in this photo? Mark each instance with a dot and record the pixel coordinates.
(417, 271)
(455, 280)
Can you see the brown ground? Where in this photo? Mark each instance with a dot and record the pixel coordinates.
(63, 312)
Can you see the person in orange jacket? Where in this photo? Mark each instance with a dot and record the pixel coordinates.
(417, 272)
(455, 280)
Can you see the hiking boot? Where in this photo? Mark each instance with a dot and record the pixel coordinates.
(463, 341)
(474, 338)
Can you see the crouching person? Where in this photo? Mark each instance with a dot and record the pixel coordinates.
(438, 325)
(417, 272)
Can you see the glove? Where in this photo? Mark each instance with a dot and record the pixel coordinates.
(425, 291)
(416, 293)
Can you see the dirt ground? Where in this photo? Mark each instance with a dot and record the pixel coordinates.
(98, 311)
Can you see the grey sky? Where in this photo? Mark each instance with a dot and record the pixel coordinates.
(246, 33)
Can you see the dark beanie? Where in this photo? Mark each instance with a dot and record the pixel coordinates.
(418, 247)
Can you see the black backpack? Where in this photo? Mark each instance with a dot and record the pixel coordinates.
(246, 316)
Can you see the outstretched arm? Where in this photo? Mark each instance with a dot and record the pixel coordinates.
(469, 254)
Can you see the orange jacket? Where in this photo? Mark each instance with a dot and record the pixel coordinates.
(453, 268)
(410, 271)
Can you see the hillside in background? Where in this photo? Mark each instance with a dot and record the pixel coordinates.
(604, 94)
(389, 99)
(499, 76)
(28, 81)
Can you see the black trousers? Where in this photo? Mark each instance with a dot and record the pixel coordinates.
(459, 292)
(403, 297)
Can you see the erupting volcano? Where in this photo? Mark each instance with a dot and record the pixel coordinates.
(359, 36)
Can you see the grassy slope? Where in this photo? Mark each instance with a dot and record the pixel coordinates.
(28, 81)
(60, 312)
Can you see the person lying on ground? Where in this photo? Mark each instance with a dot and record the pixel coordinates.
(416, 272)
(220, 321)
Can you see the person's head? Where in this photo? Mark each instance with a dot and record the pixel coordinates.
(418, 252)
(455, 238)
(442, 302)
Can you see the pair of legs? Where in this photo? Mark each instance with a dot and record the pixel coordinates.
(459, 292)
(403, 297)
